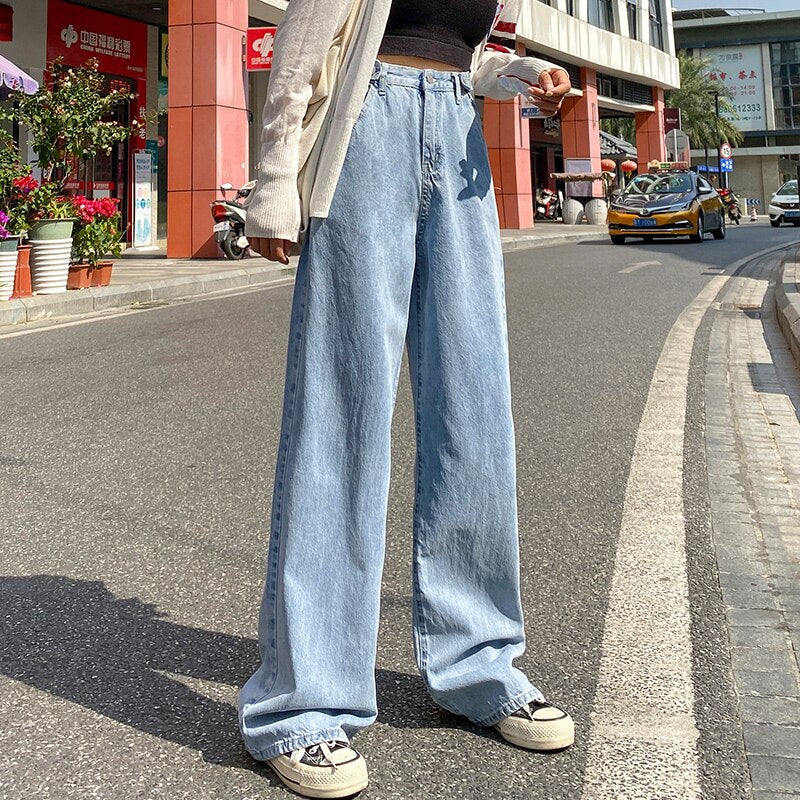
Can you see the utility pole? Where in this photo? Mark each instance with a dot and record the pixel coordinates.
(719, 142)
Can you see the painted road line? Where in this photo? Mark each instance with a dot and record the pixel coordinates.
(642, 744)
(642, 739)
(639, 265)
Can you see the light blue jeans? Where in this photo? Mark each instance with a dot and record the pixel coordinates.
(409, 255)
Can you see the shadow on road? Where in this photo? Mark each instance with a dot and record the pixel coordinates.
(77, 641)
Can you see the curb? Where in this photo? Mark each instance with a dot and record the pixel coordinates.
(29, 309)
(787, 301)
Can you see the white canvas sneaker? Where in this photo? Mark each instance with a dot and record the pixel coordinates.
(538, 726)
(327, 769)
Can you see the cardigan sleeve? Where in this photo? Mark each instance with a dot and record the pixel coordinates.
(493, 62)
(302, 41)
(497, 58)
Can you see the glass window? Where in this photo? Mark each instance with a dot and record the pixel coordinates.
(601, 14)
(633, 22)
(788, 188)
(786, 83)
(656, 32)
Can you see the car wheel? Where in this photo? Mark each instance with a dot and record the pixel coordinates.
(616, 239)
(700, 235)
(776, 223)
(719, 233)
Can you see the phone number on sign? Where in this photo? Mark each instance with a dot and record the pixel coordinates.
(744, 108)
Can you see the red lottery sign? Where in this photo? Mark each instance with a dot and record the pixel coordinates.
(259, 48)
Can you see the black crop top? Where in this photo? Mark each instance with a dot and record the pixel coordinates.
(447, 30)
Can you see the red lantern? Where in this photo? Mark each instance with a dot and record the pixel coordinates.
(608, 165)
(629, 166)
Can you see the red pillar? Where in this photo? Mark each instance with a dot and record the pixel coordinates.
(507, 137)
(208, 126)
(580, 127)
(650, 141)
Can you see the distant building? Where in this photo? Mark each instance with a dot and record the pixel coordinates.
(621, 58)
(757, 55)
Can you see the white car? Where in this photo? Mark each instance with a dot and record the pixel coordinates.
(785, 205)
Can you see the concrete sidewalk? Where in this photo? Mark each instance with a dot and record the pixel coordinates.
(137, 280)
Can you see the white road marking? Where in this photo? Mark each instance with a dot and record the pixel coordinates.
(643, 734)
(642, 740)
(102, 316)
(639, 265)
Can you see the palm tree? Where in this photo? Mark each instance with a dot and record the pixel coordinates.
(698, 118)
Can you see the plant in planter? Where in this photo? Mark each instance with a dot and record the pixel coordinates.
(70, 120)
(12, 212)
(97, 236)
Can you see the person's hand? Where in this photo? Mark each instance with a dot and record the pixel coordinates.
(272, 249)
(553, 85)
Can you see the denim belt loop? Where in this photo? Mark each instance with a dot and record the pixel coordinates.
(382, 81)
(457, 86)
(465, 83)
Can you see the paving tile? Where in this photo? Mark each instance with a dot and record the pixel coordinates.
(754, 617)
(772, 740)
(766, 684)
(775, 773)
(746, 636)
(771, 710)
(768, 659)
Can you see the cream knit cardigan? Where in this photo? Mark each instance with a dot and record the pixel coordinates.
(323, 56)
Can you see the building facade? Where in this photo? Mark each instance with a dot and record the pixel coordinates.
(757, 56)
(185, 57)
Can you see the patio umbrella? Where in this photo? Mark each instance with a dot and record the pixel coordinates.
(12, 77)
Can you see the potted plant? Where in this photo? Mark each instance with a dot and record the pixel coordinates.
(70, 120)
(97, 235)
(13, 213)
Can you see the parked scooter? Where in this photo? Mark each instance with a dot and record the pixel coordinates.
(229, 218)
(731, 203)
(547, 204)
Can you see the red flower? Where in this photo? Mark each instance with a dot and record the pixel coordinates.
(25, 184)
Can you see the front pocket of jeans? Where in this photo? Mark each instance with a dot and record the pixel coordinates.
(369, 98)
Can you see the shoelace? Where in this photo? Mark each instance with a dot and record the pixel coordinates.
(323, 747)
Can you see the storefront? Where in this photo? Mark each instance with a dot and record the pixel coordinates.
(75, 34)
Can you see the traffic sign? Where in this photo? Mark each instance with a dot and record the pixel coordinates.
(725, 151)
(727, 164)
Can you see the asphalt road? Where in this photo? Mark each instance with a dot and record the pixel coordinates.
(136, 458)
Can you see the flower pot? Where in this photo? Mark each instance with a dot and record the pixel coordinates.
(50, 265)
(596, 211)
(49, 229)
(572, 211)
(22, 282)
(101, 274)
(79, 276)
(8, 266)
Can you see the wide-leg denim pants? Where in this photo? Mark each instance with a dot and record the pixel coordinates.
(409, 255)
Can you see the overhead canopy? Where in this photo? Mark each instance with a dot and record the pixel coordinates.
(12, 77)
(614, 147)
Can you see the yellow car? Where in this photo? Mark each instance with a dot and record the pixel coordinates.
(661, 204)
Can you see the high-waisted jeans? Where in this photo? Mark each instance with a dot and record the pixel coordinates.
(409, 255)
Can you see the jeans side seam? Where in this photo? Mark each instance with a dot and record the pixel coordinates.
(421, 633)
(275, 551)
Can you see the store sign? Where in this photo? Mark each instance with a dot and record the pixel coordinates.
(76, 33)
(259, 48)
(672, 119)
(163, 62)
(741, 71)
